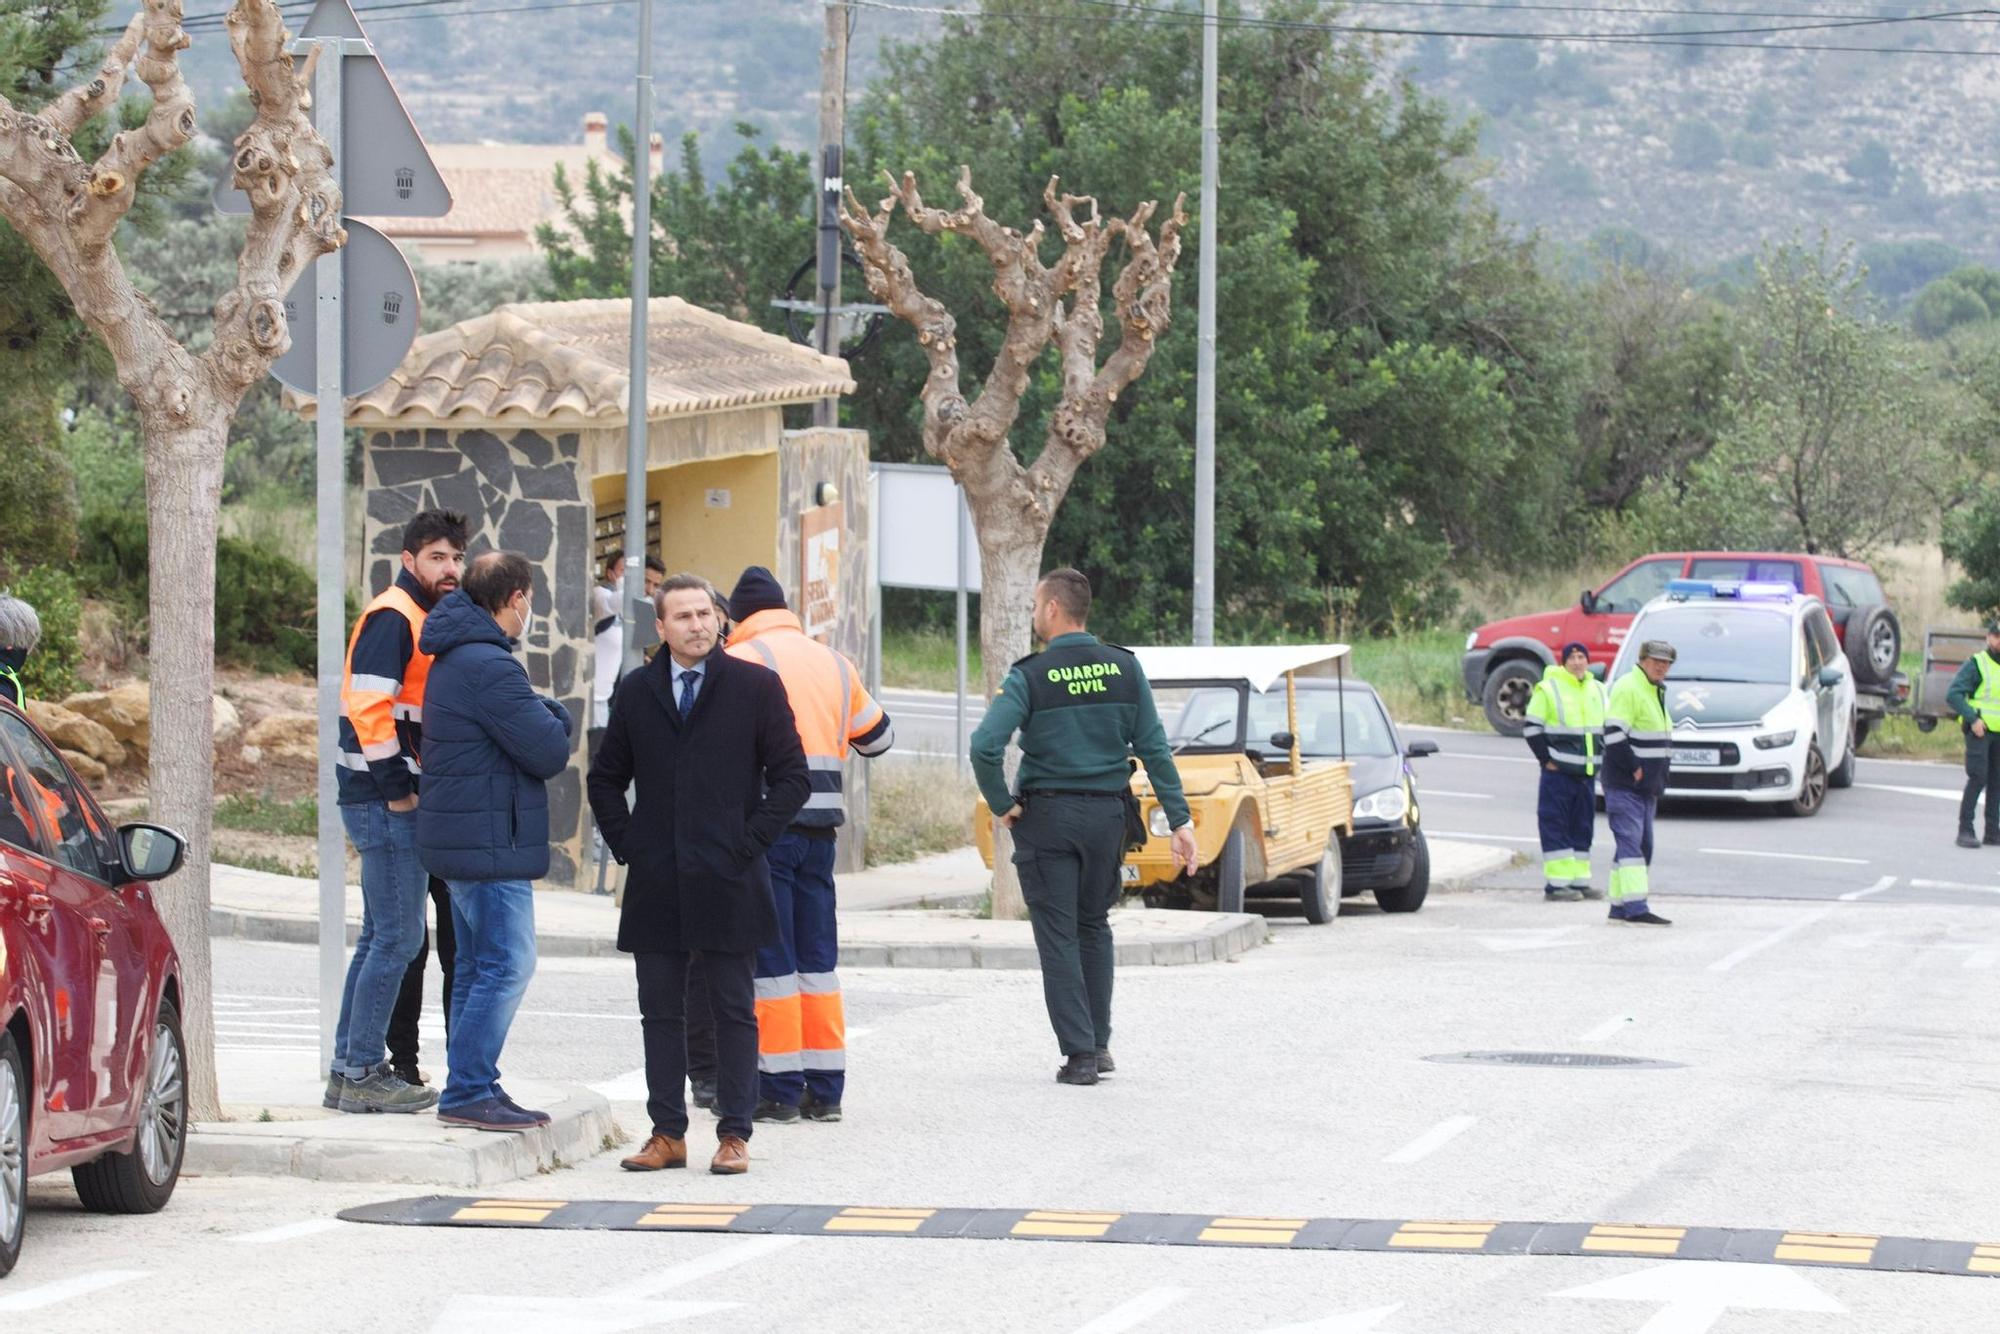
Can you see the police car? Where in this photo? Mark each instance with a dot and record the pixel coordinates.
(1761, 699)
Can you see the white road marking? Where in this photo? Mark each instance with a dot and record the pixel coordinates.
(1696, 1293)
(1784, 856)
(1483, 759)
(1940, 793)
(1428, 1143)
(1604, 1030)
(311, 1227)
(1486, 838)
(1954, 884)
(1462, 796)
(48, 1294)
(1755, 947)
(1886, 882)
(1979, 956)
(680, 1275)
(628, 1087)
(1133, 1313)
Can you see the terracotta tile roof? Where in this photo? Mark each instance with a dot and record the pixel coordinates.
(564, 363)
(502, 190)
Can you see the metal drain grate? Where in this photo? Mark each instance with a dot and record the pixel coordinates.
(1561, 1059)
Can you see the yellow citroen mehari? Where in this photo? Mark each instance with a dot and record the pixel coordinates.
(1267, 818)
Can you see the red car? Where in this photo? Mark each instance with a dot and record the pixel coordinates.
(1504, 659)
(92, 1067)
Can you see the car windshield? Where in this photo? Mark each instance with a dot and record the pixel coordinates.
(1201, 718)
(1721, 644)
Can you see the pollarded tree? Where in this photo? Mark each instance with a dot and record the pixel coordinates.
(1012, 502)
(68, 210)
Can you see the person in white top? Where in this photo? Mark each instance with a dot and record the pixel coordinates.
(608, 631)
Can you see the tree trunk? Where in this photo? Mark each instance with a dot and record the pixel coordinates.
(1010, 562)
(183, 497)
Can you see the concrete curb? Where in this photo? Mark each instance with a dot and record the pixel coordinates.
(1473, 869)
(1221, 937)
(415, 1148)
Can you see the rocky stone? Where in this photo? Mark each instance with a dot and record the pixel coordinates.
(556, 482)
(102, 709)
(285, 736)
(398, 467)
(490, 456)
(534, 447)
(74, 732)
(227, 722)
(89, 770)
(252, 755)
(528, 530)
(394, 508)
(459, 493)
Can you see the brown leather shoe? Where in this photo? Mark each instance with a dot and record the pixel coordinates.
(732, 1157)
(660, 1151)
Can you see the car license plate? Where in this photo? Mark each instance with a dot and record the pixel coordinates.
(1128, 874)
(1697, 755)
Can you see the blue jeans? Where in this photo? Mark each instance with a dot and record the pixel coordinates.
(392, 930)
(495, 924)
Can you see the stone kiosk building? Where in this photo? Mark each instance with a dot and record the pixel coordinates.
(518, 419)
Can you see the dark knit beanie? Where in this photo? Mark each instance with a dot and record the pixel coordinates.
(758, 590)
(1574, 646)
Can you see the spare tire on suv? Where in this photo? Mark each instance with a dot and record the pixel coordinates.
(1874, 645)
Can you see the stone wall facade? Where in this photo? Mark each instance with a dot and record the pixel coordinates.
(522, 491)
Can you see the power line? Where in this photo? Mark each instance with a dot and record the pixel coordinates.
(1181, 18)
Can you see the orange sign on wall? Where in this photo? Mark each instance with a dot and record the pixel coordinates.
(819, 580)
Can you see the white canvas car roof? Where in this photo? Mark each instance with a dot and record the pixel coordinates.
(1262, 665)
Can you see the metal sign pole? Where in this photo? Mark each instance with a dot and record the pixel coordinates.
(330, 434)
(636, 617)
(958, 733)
(1204, 411)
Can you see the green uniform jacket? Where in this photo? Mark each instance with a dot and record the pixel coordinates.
(1963, 687)
(1082, 708)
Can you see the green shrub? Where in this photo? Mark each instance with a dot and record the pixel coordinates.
(265, 603)
(37, 488)
(51, 671)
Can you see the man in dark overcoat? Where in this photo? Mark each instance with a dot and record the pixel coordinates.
(710, 741)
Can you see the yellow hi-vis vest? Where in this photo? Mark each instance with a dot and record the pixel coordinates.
(1570, 714)
(1986, 699)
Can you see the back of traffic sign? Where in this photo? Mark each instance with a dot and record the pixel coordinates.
(380, 293)
(385, 171)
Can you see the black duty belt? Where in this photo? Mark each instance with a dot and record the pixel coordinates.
(1071, 792)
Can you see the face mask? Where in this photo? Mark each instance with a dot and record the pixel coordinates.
(527, 623)
(13, 659)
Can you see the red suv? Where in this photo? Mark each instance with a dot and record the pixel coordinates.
(92, 1067)
(1504, 659)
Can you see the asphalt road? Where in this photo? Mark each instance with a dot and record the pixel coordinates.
(1837, 1070)
(1888, 837)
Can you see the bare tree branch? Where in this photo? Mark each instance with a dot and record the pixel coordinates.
(80, 105)
(114, 181)
(284, 169)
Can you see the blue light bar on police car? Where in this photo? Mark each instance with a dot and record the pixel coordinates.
(1738, 590)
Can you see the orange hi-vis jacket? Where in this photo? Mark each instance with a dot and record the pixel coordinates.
(382, 697)
(834, 709)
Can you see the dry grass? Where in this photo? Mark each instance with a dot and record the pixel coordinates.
(916, 808)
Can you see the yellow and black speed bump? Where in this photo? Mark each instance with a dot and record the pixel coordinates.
(1837, 1250)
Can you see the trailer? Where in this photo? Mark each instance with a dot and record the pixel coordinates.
(1945, 651)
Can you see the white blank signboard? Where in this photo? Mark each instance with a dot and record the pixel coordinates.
(915, 527)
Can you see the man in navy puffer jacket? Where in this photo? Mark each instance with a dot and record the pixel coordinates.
(489, 744)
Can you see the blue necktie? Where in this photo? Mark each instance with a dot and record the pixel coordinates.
(687, 691)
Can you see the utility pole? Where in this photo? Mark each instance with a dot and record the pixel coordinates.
(330, 454)
(1204, 401)
(832, 138)
(642, 290)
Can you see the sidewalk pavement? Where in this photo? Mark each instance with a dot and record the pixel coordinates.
(912, 915)
(304, 1140)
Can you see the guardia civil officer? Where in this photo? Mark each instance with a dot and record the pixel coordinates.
(1565, 730)
(1082, 708)
(1638, 743)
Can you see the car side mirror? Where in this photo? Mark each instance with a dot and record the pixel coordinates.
(1588, 602)
(1830, 676)
(1598, 670)
(1283, 741)
(1416, 750)
(152, 852)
